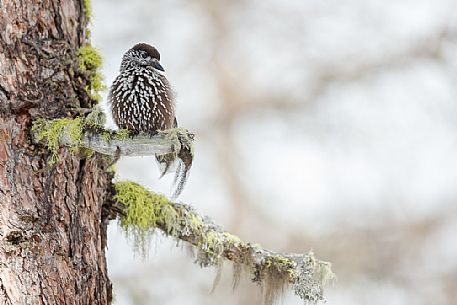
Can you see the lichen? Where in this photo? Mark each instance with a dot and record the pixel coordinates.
(210, 249)
(231, 239)
(52, 131)
(89, 62)
(274, 273)
(96, 119)
(179, 136)
(145, 211)
(282, 264)
(183, 153)
(190, 223)
(310, 278)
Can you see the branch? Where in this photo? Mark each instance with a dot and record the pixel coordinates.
(90, 133)
(141, 145)
(143, 211)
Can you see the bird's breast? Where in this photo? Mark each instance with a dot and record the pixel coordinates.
(142, 101)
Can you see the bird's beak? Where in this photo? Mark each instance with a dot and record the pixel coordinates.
(158, 66)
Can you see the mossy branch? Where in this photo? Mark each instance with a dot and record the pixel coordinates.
(89, 133)
(141, 212)
(144, 211)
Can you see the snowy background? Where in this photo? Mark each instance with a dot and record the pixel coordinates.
(325, 125)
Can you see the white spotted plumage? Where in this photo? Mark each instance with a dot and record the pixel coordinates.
(140, 97)
(141, 100)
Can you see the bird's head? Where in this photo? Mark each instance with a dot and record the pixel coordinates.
(142, 55)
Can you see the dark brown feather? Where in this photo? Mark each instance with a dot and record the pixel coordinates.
(141, 100)
(150, 50)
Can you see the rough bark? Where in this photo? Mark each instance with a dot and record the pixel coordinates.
(52, 232)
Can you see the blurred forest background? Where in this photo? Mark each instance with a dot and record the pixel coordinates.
(325, 125)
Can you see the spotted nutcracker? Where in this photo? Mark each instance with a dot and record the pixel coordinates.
(140, 97)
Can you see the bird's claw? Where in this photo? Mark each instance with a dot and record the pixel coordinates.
(133, 133)
(152, 134)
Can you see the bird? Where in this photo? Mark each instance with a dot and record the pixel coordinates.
(142, 100)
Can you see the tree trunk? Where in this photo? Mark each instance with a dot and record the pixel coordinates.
(52, 232)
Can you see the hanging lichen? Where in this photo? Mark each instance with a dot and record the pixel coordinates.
(146, 211)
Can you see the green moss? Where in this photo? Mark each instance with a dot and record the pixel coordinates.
(88, 58)
(87, 33)
(111, 169)
(70, 131)
(146, 211)
(53, 130)
(143, 212)
(85, 152)
(89, 62)
(143, 208)
(96, 86)
(108, 135)
(121, 134)
(87, 9)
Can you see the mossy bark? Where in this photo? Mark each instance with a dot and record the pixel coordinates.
(52, 229)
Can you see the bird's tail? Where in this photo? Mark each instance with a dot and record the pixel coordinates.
(180, 165)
